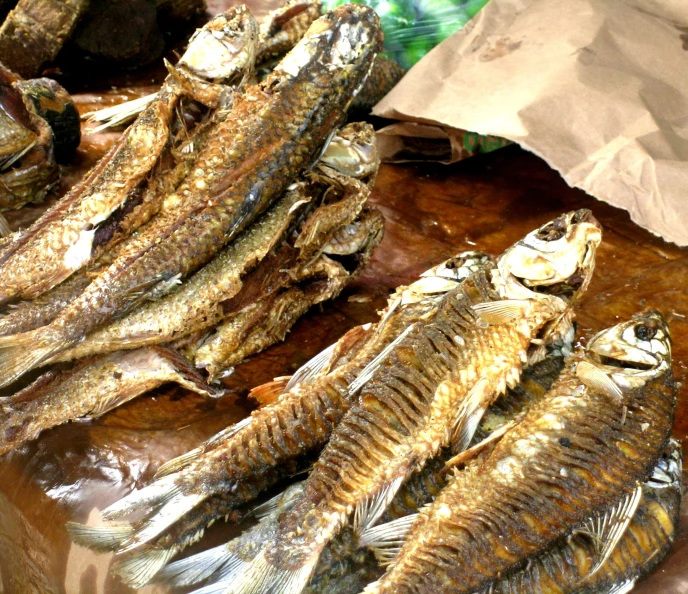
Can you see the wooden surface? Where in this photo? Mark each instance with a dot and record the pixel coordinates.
(431, 212)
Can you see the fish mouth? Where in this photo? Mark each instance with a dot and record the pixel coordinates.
(641, 344)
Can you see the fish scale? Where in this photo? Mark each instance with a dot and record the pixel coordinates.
(456, 553)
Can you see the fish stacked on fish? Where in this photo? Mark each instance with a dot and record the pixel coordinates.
(417, 382)
(133, 257)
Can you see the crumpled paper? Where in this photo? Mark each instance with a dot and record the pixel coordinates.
(597, 88)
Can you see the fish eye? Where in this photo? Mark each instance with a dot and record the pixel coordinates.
(645, 332)
(553, 230)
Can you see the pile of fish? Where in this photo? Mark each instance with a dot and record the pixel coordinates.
(224, 212)
(461, 444)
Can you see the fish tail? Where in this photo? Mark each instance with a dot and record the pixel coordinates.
(21, 353)
(102, 539)
(219, 562)
(140, 567)
(145, 499)
(261, 575)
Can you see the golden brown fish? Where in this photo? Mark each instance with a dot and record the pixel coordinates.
(274, 442)
(60, 242)
(272, 133)
(584, 448)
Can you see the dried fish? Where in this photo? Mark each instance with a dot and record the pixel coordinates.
(280, 135)
(38, 123)
(91, 389)
(384, 75)
(584, 448)
(200, 303)
(60, 242)
(566, 566)
(274, 441)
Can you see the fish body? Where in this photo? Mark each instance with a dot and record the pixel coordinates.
(564, 568)
(262, 147)
(61, 240)
(586, 446)
(90, 389)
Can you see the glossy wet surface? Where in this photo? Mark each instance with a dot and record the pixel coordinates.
(431, 213)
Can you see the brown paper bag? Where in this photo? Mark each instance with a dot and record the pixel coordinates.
(598, 88)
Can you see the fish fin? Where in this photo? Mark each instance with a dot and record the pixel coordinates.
(501, 312)
(280, 502)
(488, 442)
(117, 114)
(176, 464)
(5, 230)
(172, 510)
(386, 540)
(259, 576)
(470, 413)
(593, 377)
(140, 567)
(622, 588)
(369, 512)
(311, 368)
(270, 392)
(101, 539)
(371, 368)
(218, 588)
(20, 353)
(197, 568)
(145, 498)
(607, 530)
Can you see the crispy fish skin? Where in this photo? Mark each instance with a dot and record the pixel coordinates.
(564, 568)
(61, 240)
(263, 145)
(384, 75)
(585, 446)
(91, 389)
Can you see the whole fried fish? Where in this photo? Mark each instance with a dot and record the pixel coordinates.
(274, 442)
(429, 392)
(61, 241)
(273, 132)
(584, 448)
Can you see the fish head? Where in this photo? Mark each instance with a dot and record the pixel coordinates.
(224, 48)
(634, 352)
(557, 259)
(448, 275)
(353, 151)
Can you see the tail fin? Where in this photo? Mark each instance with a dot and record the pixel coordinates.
(149, 497)
(175, 506)
(21, 353)
(139, 568)
(218, 561)
(102, 539)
